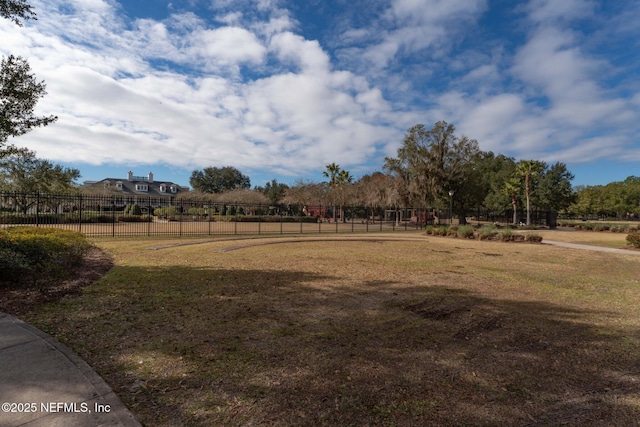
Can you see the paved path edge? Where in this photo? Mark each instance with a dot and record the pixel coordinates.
(104, 393)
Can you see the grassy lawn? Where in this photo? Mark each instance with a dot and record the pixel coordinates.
(595, 238)
(360, 331)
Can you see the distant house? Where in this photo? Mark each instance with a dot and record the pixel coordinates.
(144, 191)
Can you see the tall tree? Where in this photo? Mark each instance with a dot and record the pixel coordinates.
(19, 89)
(23, 174)
(331, 171)
(306, 194)
(512, 188)
(343, 182)
(554, 188)
(431, 162)
(375, 191)
(529, 170)
(492, 171)
(273, 190)
(219, 180)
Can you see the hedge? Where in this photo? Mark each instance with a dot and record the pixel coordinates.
(36, 256)
(633, 239)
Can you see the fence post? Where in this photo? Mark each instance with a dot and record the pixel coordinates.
(80, 215)
(37, 207)
(113, 217)
(180, 222)
(366, 218)
(235, 221)
(149, 215)
(352, 215)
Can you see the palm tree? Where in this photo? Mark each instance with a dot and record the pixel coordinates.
(529, 169)
(331, 172)
(343, 178)
(512, 187)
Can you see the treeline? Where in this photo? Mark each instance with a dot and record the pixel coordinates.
(615, 200)
(433, 169)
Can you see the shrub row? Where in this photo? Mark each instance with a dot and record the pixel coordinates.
(600, 226)
(483, 233)
(31, 255)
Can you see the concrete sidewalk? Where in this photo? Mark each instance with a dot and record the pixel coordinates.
(43, 383)
(591, 248)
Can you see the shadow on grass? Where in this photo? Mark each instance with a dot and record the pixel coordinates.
(187, 346)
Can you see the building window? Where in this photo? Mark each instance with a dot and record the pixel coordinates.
(119, 185)
(142, 187)
(163, 188)
(174, 189)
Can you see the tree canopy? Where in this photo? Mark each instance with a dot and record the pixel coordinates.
(23, 172)
(19, 94)
(19, 89)
(219, 180)
(432, 162)
(16, 11)
(273, 190)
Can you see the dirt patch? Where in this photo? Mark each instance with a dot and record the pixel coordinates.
(18, 301)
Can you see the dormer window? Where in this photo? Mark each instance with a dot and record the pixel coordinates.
(107, 184)
(163, 188)
(142, 187)
(119, 185)
(174, 189)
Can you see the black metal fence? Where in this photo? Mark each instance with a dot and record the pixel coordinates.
(536, 217)
(129, 215)
(135, 215)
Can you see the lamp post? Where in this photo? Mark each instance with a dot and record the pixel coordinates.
(450, 207)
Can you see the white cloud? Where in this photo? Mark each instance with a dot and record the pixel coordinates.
(546, 12)
(249, 89)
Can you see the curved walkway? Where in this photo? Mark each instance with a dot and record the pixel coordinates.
(43, 383)
(591, 247)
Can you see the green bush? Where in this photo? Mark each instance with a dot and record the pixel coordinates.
(165, 212)
(441, 231)
(633, 239)
(533, 238)
(507, 235)
(487, 233)
(465, 232)
(197, 212)
(132, 209)
(601, 227)
(32, 255)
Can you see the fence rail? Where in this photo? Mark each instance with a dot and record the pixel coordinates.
(115, 215)
(118, 215)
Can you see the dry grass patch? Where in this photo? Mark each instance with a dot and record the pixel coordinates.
(605, 239)
(424, 332)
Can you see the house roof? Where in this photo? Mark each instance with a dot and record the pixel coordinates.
(140, 187)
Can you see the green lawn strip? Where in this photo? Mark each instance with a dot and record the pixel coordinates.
(437, 331)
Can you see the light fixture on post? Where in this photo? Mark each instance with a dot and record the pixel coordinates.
(450, 207)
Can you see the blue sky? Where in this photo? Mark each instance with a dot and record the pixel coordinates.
(281, 88)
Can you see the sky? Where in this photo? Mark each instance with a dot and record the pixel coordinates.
(281, 88)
